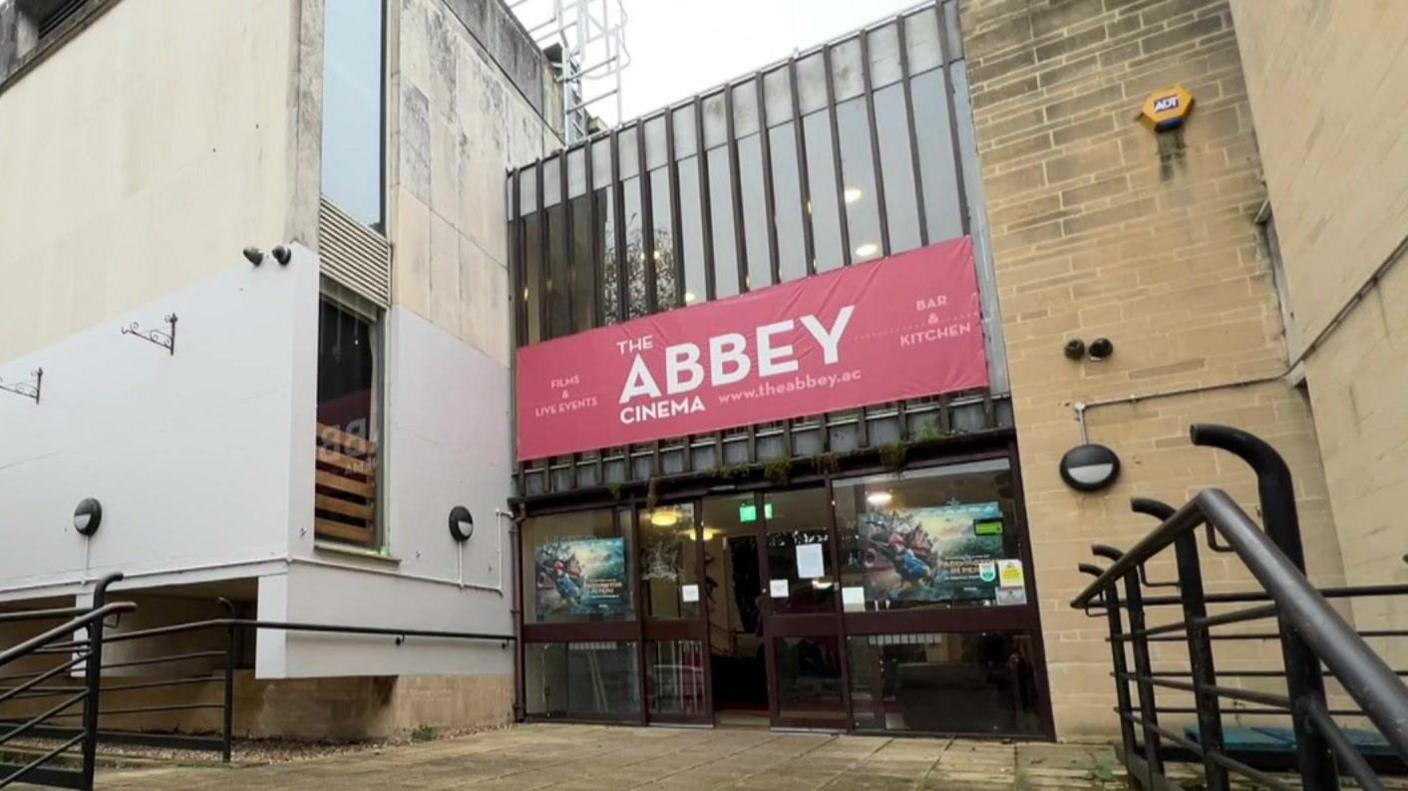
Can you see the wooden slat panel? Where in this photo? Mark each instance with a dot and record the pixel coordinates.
(324, 503)
(348, 463)
(348, 441)
(344, 532)
(348, 485)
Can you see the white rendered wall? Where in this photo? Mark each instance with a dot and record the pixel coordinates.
(202, 461)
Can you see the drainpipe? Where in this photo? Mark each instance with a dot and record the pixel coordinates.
(515, 535)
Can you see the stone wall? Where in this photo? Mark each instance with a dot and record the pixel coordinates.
(1328, 95)
(1101, 228)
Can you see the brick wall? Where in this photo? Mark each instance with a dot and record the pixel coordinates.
(1101, 228)
(1328, 97)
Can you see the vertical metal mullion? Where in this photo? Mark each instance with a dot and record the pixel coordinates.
(544, 264)
(618, 197)
(913, 133)
(799, 137)
(869, 93)
(954, 144)
(567, 241)
(735, 189)
(516, 260)
(840, 178)
(702, 155)
(647, 220)
(594, 219)
(769, 199)
(676, 215)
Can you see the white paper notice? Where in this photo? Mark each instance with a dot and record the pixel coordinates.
(778, 588)
(853, 598)
(689, 593)
(809, 562)
(1010, 574)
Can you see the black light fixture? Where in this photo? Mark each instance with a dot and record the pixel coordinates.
(1101, 349)
(1074, 349)
(87, 516)
(283, 255)
(461, 524)
(254, 255)
(1089, 467)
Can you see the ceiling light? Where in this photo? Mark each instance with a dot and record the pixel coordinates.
(689, 297)
(867, 250)
(852, 194)
(879, 498)
(668, 517)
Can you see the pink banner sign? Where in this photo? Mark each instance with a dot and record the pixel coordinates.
(900, 327)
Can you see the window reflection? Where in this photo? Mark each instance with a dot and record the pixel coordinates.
(692, 232)
(787, 195)
(352, 108)
(597, 679)
(559, 278)
(821, 174)
(611, 261)
(941, 208)
(666, 280)
(755, 212)
(583, 266)
(635, 252)
(859, 192)
(721, 216)
(893, 131)
(533, 274)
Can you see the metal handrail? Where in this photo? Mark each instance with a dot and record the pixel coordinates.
(1366, 678)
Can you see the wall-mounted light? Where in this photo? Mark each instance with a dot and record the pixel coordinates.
(1089, 467)
(254, 255)
(87, 516)
(1101, 349)
(283, 255)
(1074, 349)
(461, 524)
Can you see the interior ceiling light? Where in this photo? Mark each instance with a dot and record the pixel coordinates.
(867, 250)
(667, 517)
(689, 296)
(853, 194)
(879, 498)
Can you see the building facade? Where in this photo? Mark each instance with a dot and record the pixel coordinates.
(757, 403)
(300, 448)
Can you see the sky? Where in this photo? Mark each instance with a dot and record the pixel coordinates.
(681, 47)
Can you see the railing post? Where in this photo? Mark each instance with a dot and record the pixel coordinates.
(1121, 667)
(92, 683)
(1304, 680)
(1190, 578)
(228, 710)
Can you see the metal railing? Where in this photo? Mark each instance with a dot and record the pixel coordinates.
(85, 653)
(1312, 635)
(54, 726)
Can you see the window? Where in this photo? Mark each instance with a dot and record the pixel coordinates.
(696, 287)
(787, 192)
(353, 82)
(348, 431)
(666, 282)
(821, 175)
(859, 192)
(893, 131)
(582, 680)
(721, 217)
(936, 164)
(755, 212)
(939, 537)
(576, 569)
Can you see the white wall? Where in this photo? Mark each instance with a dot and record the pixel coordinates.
(200, 459)
(447, 443)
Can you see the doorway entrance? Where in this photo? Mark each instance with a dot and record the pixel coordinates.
(733, 583)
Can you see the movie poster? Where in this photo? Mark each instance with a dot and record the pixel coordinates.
(583, 577)
(941, 554)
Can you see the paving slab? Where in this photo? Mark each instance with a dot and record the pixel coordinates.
(597, 758)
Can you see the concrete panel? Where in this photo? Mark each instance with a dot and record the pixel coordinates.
(180, 153)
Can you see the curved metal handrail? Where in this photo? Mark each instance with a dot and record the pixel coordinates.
(1364, 675)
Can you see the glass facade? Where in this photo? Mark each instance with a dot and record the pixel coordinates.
(802, 168)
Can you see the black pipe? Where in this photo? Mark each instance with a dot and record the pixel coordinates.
(1276, 491)
(228, 723)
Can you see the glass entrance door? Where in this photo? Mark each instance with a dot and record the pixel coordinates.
(677, 682)
(802, 609)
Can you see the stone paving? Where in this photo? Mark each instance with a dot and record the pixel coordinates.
(601, 757)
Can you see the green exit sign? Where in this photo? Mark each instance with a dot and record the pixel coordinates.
(749, 512)
(987, 527)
